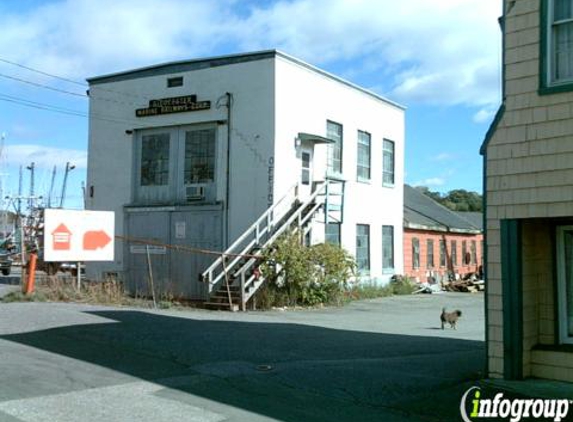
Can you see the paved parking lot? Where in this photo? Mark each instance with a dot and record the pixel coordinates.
(383, 359)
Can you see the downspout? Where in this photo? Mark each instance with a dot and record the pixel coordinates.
(227, 176)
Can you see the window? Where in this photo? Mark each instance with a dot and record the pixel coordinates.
(565, 282)
(465, 260)
(388, 163)
(473, 249)
(334, 158)
(442, 253)
(199, 156)
(454, 252)
(387, 248)
(363, 164)
(155, 160)
(308, 238)
(332, 234)
(305, 176)
(557, 45)
(415, 253)
(175, 82)
(363, 248)
(430, 253)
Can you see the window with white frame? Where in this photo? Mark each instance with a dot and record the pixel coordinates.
(363, 156)
(388, 163)
(557, 43)
(442, 253)
(565, 283)
(454, 253)
(155, 160)
(387, 248)
(363, 249)
(429, 253)
(334, 152)
(415, 253)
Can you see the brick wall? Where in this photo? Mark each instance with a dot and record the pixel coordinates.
(424, 270)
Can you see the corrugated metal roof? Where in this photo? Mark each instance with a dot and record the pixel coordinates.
(475, 218)
(421, 211)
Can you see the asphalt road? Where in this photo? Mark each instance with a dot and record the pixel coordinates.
(377, 360)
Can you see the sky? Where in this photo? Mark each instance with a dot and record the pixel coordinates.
(439, 58)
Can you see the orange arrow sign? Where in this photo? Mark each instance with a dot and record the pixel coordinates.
(95, 240)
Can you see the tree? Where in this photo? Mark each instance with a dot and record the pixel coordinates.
(455, 200)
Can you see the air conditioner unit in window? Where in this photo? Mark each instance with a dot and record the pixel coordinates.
(194, 193)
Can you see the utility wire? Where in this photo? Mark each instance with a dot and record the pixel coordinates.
(61, 110)
(41, 72)
(44, 73)
(41, 106)
(63, 91)
(71, 112)
(51, 88)
(48, 107)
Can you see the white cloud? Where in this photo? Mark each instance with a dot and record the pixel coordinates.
(443, 156)
(484, 115)
(428, 51)
(432, 181)
(44, 157)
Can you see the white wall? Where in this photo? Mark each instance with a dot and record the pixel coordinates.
(111, 150)
(305, 100)
(273, 100)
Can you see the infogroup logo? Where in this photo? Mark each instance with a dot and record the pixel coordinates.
(475, 407)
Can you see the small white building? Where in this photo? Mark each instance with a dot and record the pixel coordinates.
(192, 153)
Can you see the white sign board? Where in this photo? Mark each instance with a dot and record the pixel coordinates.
(71, 235)
(180, 230)
(143, 249)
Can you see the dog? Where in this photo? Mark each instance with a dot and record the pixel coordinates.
(450, 317)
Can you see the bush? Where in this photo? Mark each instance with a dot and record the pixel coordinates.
(402, 285)
(300, 275)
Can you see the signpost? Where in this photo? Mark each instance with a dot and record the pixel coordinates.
(71, 235)
(74, 236)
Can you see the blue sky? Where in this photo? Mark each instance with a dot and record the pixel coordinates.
(440, 58)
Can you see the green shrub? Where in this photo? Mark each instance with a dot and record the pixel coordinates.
(300, 275)
(402, 285)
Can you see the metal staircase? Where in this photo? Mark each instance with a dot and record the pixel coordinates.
(234, 277)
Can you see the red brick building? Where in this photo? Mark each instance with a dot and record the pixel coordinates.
(438, 241)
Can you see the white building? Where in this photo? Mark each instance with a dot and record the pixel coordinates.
(191, 153)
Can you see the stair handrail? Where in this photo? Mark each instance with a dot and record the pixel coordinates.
(252, 229)
(319, 189)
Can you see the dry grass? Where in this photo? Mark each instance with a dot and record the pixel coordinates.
(64, 289)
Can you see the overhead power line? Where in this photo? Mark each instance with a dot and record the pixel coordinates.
(61, 110)
(71, 112)
(43, 73)
(51, 88)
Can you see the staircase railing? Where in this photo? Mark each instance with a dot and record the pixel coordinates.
(301, 216)
(254, 235)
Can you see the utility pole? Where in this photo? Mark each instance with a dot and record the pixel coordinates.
(51, 187)
(84, 193)
(20, 180)
(31, 167)
(64, 184)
